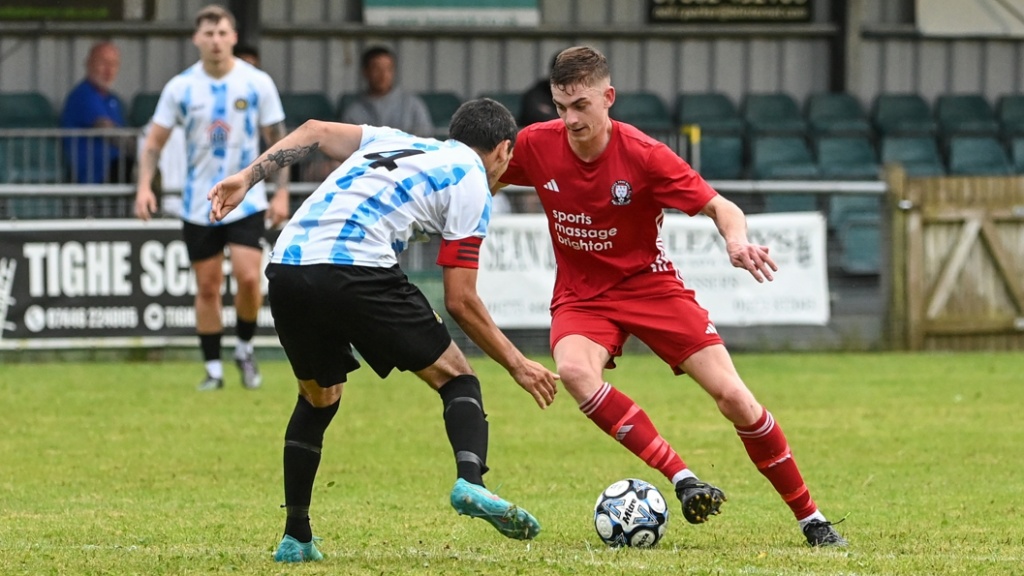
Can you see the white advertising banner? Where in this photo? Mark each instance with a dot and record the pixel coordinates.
(795, 241)
(517, 270)
(988, 18)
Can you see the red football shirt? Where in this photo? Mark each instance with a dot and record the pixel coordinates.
(604, 216)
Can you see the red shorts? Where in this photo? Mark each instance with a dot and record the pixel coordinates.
(655, 307)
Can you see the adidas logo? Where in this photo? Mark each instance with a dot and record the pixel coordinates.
(621, 433)
(551, 185)
(711, 329)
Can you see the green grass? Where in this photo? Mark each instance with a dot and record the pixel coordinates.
(121, 468)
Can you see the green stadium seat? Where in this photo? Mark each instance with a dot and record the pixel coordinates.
(442, 106)
(782, 158)
(847, 158)
(1017, 154)
(860, 244)
(1010, 113)
(344, 100)
(644, 110)
(774, 113)
(836, 113)
(510, 100)
(302, 106)
(142, 107)
(977, 156)
(795, 202)
(30, 161)
(965, 114)
(902, 114)
(844, 206)
(26, 110)
(714, 112)
(721, 157)
(919, 155)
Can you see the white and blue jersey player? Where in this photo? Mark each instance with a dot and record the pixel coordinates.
(224, 105)
(335, 283)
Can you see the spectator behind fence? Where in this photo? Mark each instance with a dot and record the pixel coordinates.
(536, 105)
(248, 53)
(383, 103)
(224, 104)
(92, 104)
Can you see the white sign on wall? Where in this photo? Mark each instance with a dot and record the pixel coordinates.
(517, 270)
(1001, 18)
(451, 12)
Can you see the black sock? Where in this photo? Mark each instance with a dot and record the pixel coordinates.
(466, 424)
(303, 440)
(245, 329)
(210, 344)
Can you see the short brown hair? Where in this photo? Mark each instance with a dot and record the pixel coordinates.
(214, 13)
(579, 66)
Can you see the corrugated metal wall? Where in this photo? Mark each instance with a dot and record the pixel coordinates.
(315, 45)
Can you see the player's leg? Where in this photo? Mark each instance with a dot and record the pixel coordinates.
(762, 437)
(466, 425)
(243, 239)
(663, 314)
(303, 441)
(312, 335)
(205, 245)
(209, 279)
(583, 343)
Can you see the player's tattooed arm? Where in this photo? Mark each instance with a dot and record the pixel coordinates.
(277, 158)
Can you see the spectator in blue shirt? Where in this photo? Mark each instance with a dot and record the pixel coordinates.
(92, 104)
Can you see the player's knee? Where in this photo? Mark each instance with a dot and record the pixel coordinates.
(575, 373)
(462, 388)
(736, 403)
(320, 397)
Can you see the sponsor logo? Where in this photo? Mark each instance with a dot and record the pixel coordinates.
(551, 185)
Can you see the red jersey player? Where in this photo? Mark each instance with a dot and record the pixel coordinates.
(603, 185)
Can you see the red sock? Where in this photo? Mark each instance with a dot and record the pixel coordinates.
(769, 451)
(621, 418)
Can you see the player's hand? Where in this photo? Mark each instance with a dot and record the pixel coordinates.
(540, 382)
(225, 196)
(753, 258)
(278, 210)
(145, 203)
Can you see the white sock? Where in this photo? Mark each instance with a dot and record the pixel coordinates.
(243, 349)
(215, 369)
(682, 475)
(816, 516)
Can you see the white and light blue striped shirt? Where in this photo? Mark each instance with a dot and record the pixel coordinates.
(395, 189)
(221, 118)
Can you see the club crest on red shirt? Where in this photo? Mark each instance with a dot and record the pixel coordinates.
(622, 193)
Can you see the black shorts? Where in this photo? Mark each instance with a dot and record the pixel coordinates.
(321, 311)
(203, 242)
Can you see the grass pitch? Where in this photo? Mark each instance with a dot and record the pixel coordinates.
(122, 468)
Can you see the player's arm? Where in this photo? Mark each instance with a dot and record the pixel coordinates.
(465, 306)
(732, 225)
(337, 141)
(279, 204)
(145, 200)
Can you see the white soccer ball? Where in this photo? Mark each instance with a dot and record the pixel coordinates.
(631, 512)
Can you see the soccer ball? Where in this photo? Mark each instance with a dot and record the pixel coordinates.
(630, 512)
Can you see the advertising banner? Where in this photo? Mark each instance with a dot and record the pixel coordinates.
(94, 283)
(517, 270)
(765, 11)
(451, 12)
